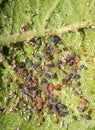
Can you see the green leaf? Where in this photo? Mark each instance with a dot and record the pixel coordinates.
(52, 14)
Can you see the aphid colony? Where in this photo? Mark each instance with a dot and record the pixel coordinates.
(40, 76)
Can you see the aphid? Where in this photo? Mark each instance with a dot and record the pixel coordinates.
(54, 39)
(78, 84)
(36, 64)
(76, 76)
(87, 117)
(32, 88)
(35, 110)
(28, 78)
(50, 87)
(74, 70)
(77, 93)
(50, 65)
(80, 109)
(84, 101)
(74, 117)
(49, 57)
(81, 67)
(90, 111)
(38, 41)
(61, 107)
(38, 57)
(23, 90)
(24, 28)
(43, 80)
(2, 110)
(73, 55)
(64, 81)
(54, 75)
(57, 87)
(47, 75)
(40, 71)
(49, 101)
(56, 121)
(57, 51)
(54, 109)
(65, 48)
(68, 76)
(73, 86)
(61, 113)
(58, 62)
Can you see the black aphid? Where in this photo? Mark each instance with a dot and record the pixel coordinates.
(54, 75)
(74, 117)
(38, 57)
(80, 109)
(36, 65)
(81, 67)
(68, 76)
(58, 62)
(47, 75)
(87, 117)
(54, 39)
(49, 57)
(76, 76)
(61, 107)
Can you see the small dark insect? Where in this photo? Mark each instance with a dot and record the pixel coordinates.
(28, 78)
(74, 117)
(40, 71)
(73, 69)
(61, 107)
(35, 110)
(78, 84)
(76, 76)
(68, 59)
(38, 57)
(49, 49)
(23, 90)
(24, 28)
(54, 109)
(54, 75)
(54, 100)
(58, 62)
(81, 67)
(76, 93)
(36, 65)
(43, 80)
(49, 101)
(68, 76)
(56, 121)
(87, 117)
(22, 85)
(72, 55)
(80, 109)
(38, 41)
(45, 85)
(64, 81)
(35, 93)
(90, 111)
(2, 110)
(48, 57)
(47, 75)
(50, 65)
(61, 113)
(54, 39)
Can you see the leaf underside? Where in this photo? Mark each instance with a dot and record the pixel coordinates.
(40, 14)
